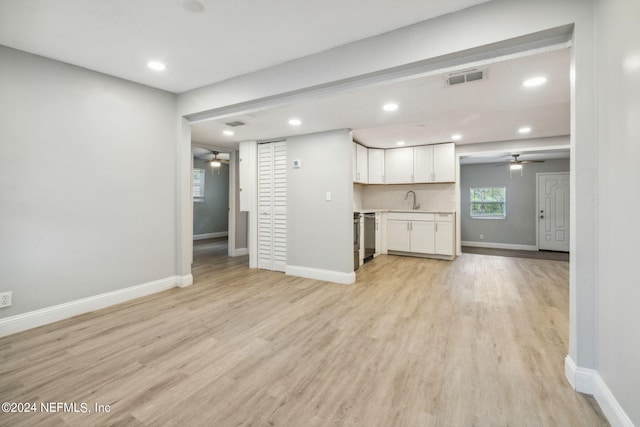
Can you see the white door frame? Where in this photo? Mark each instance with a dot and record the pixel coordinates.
(538, 205)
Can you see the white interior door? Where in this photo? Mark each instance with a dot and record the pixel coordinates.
(553, 211)
(272, 206)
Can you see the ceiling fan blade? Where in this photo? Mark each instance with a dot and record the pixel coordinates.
(532, 161)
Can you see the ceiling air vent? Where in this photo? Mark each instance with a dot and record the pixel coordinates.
(235, 123)
(466, 76)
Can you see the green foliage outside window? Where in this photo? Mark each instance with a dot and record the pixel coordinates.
(488, 202)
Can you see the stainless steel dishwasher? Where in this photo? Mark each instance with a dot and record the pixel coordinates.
(369, 236)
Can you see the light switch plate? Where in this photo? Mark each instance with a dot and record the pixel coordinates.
(328, 196)
(297, 164)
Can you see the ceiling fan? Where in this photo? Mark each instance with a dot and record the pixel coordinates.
(216, 162)
(516, 164)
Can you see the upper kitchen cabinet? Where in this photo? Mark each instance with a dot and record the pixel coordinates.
(423, 164)
(435, 163)
(361, 164)
(376, 166)
(444, 162)
(398, 166)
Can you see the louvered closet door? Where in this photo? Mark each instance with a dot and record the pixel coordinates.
(272, 206)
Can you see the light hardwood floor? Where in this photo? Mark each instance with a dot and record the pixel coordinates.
(415, 342)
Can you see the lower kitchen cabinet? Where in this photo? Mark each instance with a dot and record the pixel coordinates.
(444, 237)
(398, 235)
(420, 233)
(422, 237)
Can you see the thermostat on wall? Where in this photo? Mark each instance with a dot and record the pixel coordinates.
(297, 164)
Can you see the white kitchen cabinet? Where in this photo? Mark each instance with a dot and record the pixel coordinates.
(420, 233)
(376, 165)
(398, 235)
(398, 165)
(434, 163)
(423, 164)
(444, 162)
(444, 236)
(361, 169)
(379, 231)
(422, 237)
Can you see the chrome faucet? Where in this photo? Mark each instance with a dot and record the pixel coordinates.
(415, 205)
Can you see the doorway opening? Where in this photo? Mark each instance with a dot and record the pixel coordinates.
(211, 174)
(521, 230)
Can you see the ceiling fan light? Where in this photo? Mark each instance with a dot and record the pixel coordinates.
(516, 167)
(215, 163)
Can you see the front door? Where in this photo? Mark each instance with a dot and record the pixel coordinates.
(553, 211)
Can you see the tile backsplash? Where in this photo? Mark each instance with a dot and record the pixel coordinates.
(437, 197)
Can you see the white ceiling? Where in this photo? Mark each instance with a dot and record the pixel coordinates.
(118, 37)
(429, 111)
(228, 38)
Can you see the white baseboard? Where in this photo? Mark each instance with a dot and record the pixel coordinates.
(184, 281)
(210, 235)
(33, 319)
(318, 274)
(589, 381)
(581, 379)
(500, 246)
(240, 252)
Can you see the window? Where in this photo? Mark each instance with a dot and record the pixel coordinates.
(198, 185)
(488, 202)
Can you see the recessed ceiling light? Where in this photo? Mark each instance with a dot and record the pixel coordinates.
(390, 107)
(456, 137)
(228, 132)
(400, 143)
(295, 122)
(535, 81)
(525, 129)
(156, 65)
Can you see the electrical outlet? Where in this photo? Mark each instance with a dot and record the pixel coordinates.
(482, 237)
(5, 299)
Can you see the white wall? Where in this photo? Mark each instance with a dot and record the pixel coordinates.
(80, 213)
(319, 232)
(618, 59)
